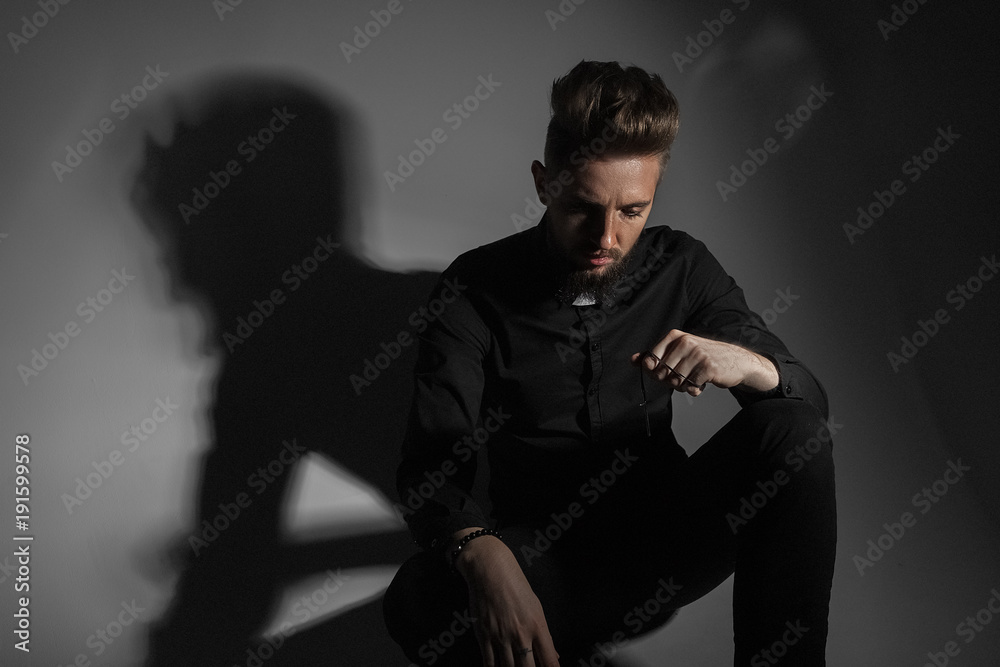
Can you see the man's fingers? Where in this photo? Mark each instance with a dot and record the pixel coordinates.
(692, 389)
(665, 351)
(674, 375)
(524, 656)
(545, 652)
(492, 652)
(505, 656)
(642, 358)
(662, 347)
(486, 649)
(519, 653)
(684, 355)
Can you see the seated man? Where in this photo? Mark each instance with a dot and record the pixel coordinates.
(558, 348)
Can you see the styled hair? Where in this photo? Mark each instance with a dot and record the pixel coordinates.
(603, 109)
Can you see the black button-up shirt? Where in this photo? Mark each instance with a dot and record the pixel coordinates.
(548, 387)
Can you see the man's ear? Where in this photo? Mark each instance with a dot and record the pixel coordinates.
(540, 176)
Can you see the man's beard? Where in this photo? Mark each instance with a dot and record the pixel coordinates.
(591, 283)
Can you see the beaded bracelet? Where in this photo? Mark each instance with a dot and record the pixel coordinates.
(468, 538)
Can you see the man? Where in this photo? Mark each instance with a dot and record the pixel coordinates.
(560, 353)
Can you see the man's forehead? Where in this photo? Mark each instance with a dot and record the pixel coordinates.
(619, 165)
(628, 179)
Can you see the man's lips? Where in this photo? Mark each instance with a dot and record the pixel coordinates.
(599, 258)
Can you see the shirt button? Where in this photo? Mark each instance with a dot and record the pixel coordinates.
(591, 391)
(595, 346)
(788, 389)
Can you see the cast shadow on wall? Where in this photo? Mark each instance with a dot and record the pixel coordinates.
(265, 256)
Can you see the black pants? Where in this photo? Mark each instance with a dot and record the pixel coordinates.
(757, 499)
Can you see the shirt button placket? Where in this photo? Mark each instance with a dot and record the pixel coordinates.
(593, 392)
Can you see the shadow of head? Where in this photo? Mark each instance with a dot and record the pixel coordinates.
(253, 173)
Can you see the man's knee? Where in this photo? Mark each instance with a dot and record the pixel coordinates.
(792, 474)
(797, 443)
(785, 425)
(403, 599)
(426, 612)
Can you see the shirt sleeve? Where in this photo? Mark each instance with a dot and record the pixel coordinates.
(438, 468)
(718, 310)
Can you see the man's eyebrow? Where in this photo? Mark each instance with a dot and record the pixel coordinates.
(580, 199)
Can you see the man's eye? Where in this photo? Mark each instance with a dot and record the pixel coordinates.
(633, 214)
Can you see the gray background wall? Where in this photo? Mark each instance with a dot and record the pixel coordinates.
(891, 92)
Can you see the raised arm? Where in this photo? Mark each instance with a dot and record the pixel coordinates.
(726, 344)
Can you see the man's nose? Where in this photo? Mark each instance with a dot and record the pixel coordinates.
(601, 229)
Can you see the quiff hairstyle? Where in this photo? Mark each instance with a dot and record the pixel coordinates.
(633, 108)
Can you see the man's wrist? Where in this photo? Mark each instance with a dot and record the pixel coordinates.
(456, 538)
(465, 561)
(761, 375)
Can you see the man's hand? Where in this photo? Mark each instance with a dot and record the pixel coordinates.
(687, 363)
(508, 616)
